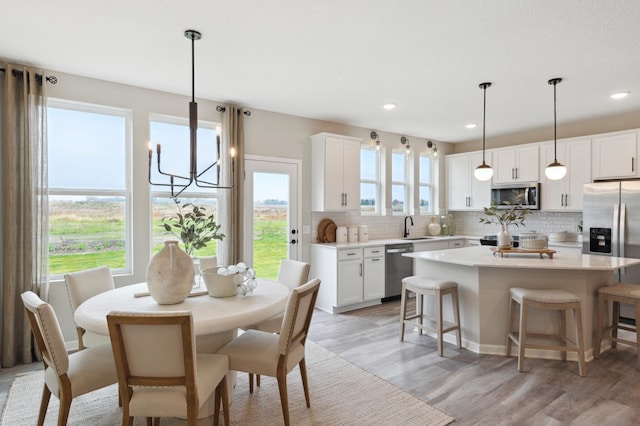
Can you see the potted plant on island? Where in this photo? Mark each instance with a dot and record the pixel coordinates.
(515, 214)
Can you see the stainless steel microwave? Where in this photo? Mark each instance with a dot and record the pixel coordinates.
(507, 195)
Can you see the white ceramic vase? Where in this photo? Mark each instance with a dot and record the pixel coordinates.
(170, 274)
(504, 238)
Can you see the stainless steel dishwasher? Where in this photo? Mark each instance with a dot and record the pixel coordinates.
(397, 267)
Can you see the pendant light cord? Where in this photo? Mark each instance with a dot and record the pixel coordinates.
(484, 119)
(555, 125)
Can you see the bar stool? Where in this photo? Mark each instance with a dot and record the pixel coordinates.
(617, 293)
(427, 286)
(552, 299)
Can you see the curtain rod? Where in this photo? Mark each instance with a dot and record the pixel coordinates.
(51, 79)
(220, 108)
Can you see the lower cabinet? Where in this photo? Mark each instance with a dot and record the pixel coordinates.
(350, 278)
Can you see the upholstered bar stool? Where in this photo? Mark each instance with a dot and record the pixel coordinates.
(554, 300)
(427, 286)
(617, 293)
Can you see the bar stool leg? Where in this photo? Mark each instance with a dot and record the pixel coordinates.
(456, 314)
(522, 337)
(403, 310)
(599, 325)
(419, 310)
(439, 327)
(577, 320)
(614, 323)
(563, 333)
(637, 305)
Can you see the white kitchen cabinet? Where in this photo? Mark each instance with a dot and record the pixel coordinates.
(335, 170)
(615, 156)
(430, 245)
(351, 278)
(566, 193)
(374, 268)
(464, 191)
(518, 164)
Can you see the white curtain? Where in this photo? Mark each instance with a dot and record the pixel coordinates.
(23, 204)
(230, 206)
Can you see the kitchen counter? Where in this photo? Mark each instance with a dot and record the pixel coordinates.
(382, 242)
(484, 282)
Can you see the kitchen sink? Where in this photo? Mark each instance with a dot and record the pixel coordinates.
(417, 238)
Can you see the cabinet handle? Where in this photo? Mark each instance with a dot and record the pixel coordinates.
(513, 176)
(632, 164)
(377, 259)
(351, 254)
(516, 173)
(346, 202)
(375, 251)
(361, 269)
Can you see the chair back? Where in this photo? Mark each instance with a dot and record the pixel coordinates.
(47, 333)
(208, 262)
(85, 284)
(297, 315)
(293, 273)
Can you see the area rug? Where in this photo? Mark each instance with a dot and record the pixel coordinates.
(341, 394)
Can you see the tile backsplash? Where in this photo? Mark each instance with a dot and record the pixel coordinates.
(467, 223)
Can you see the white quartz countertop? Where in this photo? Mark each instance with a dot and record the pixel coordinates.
(483, 257)
(382, 242)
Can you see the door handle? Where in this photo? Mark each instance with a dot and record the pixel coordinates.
(294, 241)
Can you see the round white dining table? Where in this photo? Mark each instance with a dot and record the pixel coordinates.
(210, 314)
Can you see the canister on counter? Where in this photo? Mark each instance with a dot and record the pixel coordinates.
(341, 234)
(352, 232)
(363, 233)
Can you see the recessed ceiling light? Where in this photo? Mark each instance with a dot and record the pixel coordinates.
(471, 125)
(389, 106)
(620, 95)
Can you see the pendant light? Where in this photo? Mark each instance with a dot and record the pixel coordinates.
(484, 171)
(555, 170)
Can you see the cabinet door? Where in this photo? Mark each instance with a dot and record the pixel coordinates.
(553, 191)
(373, 278)
(527, 164)
(457, 182)
(578, 162)
(614, 156)
(351, 174)
(350, 282)
(504, 167)
(480, 194)
(333, 188)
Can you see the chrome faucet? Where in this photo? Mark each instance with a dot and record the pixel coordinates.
(406, 229)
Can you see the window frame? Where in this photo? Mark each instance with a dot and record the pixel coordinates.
(431, 184)
(377, 181)
(126, 193)
(406, 183)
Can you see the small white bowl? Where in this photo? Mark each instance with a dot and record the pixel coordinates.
(219, 285)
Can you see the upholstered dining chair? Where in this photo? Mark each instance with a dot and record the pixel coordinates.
(83, 285)
(159, 372)
(292, 273)
(65, 376)
(275, 355)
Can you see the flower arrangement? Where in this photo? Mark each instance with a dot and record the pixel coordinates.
(516, 215)
(193, 226)
(243, 276)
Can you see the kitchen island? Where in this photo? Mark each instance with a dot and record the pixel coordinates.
(484, 282)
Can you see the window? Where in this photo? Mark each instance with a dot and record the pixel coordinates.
(400, 182)
(89, 192)
(173, 136)
(426, 189)
(370, 186)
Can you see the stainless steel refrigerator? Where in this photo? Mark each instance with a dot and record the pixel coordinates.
(611, 226)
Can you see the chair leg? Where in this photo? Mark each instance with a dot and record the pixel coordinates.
(403, 310)
(439, 324)
(216, 406)
(250, 383)
(456, 313)
(282, 387)
(522, 337)
(149, 421)
(599, 325)
(577, 320)
(225, 400)
(563, 333)
(65, 407)
(637, 306)
(614, 324)
(420, 311)
(305, 384)
(44, 403)
(510, 313)
(257, 380)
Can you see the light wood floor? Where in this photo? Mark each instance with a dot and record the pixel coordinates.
(475, 389)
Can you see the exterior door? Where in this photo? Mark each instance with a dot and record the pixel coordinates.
(272, 213)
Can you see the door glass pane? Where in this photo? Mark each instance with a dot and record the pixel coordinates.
(271, 207)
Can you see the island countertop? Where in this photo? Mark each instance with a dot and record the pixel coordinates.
(483, 257)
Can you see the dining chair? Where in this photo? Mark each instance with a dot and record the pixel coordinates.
(292, 273)
(275, 355)
(65, 375)
(159, 372)
(83, 285)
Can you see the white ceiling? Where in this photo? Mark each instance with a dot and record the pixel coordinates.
(340, 60)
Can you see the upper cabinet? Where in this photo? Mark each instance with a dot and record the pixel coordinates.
(335, 170)
(615, 156)
(566, 194)
(519, 164)
(464, 191)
